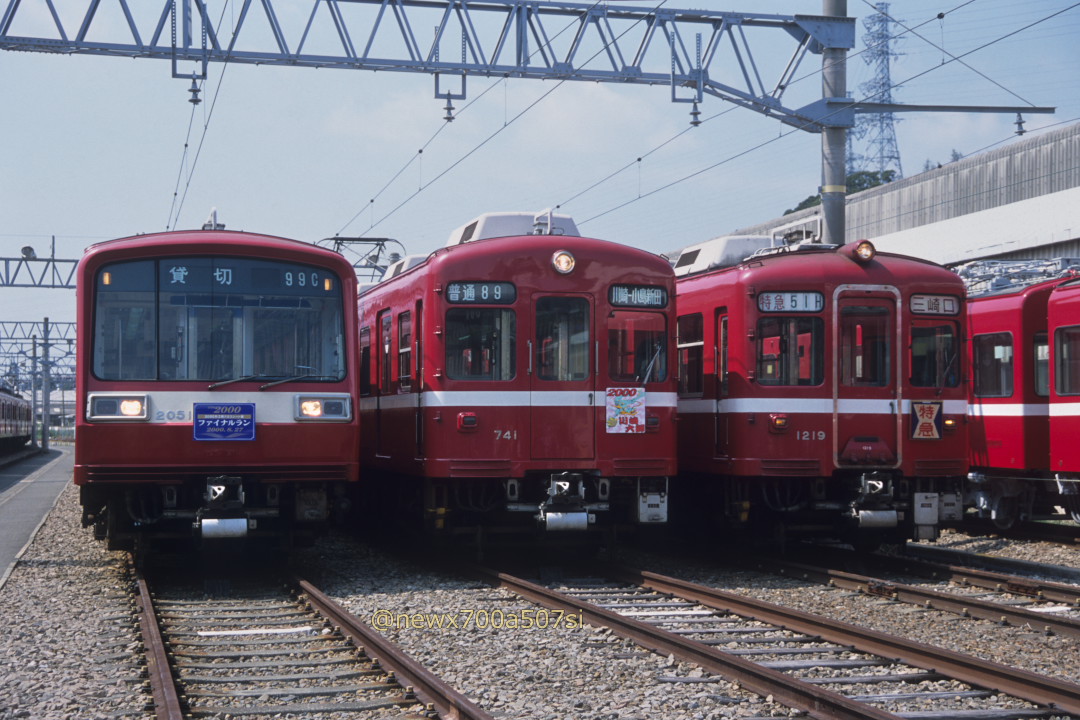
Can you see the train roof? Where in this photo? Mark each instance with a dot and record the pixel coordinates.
(507, 224)
(181, 238)
(985, 278)
(719, 252)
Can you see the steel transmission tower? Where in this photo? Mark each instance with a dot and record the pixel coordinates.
(877, 131)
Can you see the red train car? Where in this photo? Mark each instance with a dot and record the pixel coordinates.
(16, 423)
(1063, 316)
(821, 388)
(217, 386)
(515, 380)
(1019, 320)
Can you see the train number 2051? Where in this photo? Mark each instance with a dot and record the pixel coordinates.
(809, 434)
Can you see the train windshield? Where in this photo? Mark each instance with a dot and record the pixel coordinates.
(791, 351)
(935, 358)
(218, 318)
(480, 344)
(562, 338)
(637, 346)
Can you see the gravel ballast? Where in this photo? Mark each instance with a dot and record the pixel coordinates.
(70, 650)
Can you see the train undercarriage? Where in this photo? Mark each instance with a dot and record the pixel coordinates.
(199, 511)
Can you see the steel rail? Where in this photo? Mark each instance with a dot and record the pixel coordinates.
(1034, 688)
(1042, 589)
(162, 685)
(815, 701)
(935, 599)
(430, 689)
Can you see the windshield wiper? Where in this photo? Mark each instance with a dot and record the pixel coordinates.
(295, 378)
(649, 368)
(230, 381)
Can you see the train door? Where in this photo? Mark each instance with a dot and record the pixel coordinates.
(720, 417)
(563, 378)
(384, 328)
(418, 379)
(867, 402)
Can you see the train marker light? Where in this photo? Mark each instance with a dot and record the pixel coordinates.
(950, 424)
(563, 262)
(778, 422)
(864, 251)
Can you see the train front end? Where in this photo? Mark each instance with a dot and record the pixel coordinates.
(216, 392)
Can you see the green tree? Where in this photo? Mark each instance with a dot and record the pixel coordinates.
(856, 182)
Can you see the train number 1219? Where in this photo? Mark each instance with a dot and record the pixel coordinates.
(809, 434)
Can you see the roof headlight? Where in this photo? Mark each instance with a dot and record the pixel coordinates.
(864, 251)
(563, 262)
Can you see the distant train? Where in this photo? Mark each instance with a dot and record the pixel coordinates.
(217, 387)
(519, 378)
(821, 389)
(16, 422)
(1024, 320)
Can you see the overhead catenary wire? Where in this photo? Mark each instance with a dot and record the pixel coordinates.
(202, 139)
(784, 134)
(506, 124)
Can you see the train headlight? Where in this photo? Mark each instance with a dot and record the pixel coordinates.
(864, 251)
(132, 407)
(563, 262)
(950, 424)
(116, 407)
(329, 408)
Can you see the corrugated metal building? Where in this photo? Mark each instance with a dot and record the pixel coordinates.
(1018, 201)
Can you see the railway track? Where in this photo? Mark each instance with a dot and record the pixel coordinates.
(825, 668)
(1017, 600)
(278, 651)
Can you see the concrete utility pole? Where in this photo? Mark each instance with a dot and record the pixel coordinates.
(46, 389)
(834, 139)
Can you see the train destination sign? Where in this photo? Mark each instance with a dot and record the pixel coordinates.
(789, 302)
(935, 305)
(485, 293)
(643, 296)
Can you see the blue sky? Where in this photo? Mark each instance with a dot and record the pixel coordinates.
(95, 147)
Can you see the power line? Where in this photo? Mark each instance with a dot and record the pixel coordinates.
(789, 132)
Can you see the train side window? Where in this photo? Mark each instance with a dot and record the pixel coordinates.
(480, 344)
(690, 339)
(562, 338)
(637, 346)
(405, 350)
(791, 351)
(935, 356)
(365, 361)
(993, 364)
(864, 346)
(1067, 360)
(1042, 364)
